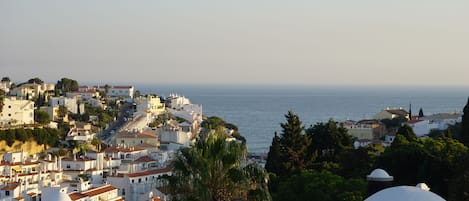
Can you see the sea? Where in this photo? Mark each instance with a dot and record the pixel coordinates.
(259, 110)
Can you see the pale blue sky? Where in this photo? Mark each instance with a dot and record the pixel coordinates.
(360, 42)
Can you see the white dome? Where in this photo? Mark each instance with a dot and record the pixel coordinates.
(379, 175)
(404, 193)
(55, 194)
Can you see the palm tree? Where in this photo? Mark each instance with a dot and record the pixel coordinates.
(212, 170)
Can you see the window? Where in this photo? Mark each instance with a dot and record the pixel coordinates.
(7, 193)
(68, 166)
(9, 106)
(123, 191)
(139, 180)
(9, 115)
(133, 181)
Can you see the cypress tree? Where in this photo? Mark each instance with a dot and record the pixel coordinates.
(273, 163)
(421, 113)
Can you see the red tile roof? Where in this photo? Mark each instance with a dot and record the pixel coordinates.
(91, 192)
(144, 159)
(76, 196)
(145, 134)
(10, 186)
(99, 190)
(121, 149)
(77, 159)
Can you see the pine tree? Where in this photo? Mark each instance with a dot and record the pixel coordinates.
(464, 138)
(293, 145)
(421, 113)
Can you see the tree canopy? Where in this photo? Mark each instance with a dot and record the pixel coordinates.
(41, 117)
(212, 169)
(65, 85)
(35, 80)
(6, 79)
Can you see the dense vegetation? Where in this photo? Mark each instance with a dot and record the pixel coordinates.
(215, 122)
(43, 136)
(212, 170)
(319, 163)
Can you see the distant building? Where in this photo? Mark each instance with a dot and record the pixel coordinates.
(173, 136)
(16, 112)
(150, 104)
(368, 129)
(181, 106)
(440, 121)
(392, 113)
(5, 86)
(137, 186)
(80, 132)
(137, 138)
(70, 103)
(112, 91)
(32, 90)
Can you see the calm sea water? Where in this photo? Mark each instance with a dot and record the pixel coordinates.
(259, 110)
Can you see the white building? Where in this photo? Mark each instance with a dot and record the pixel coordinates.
(80, 134)
(439, 121)
(5, 86)
(175, 136)
(113, 91)
(137, 186)
(16, 112)
(106, 192)
(150, 104)
(32, 90)
(21, 176)
(70, 103)
(392, 113)
(181, 107)
(74, 167)
(126, 154)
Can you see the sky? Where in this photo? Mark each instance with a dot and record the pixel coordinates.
(260, 42)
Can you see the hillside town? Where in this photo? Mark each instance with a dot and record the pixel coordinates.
(121, 158)
(116, 143)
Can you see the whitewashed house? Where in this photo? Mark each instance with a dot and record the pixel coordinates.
(137, 186)
(32, 90)
(70, 103)
(439, 121)
(16, 112)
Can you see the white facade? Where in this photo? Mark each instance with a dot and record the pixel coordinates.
(137, 186)
(5, 86)
(80, 134)
(31, 90)
(70, 103)
(16, 112)
(115, 91)
(169, 134)
(434, 122)
(150, 104)
(181, 107)
(23, 176)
